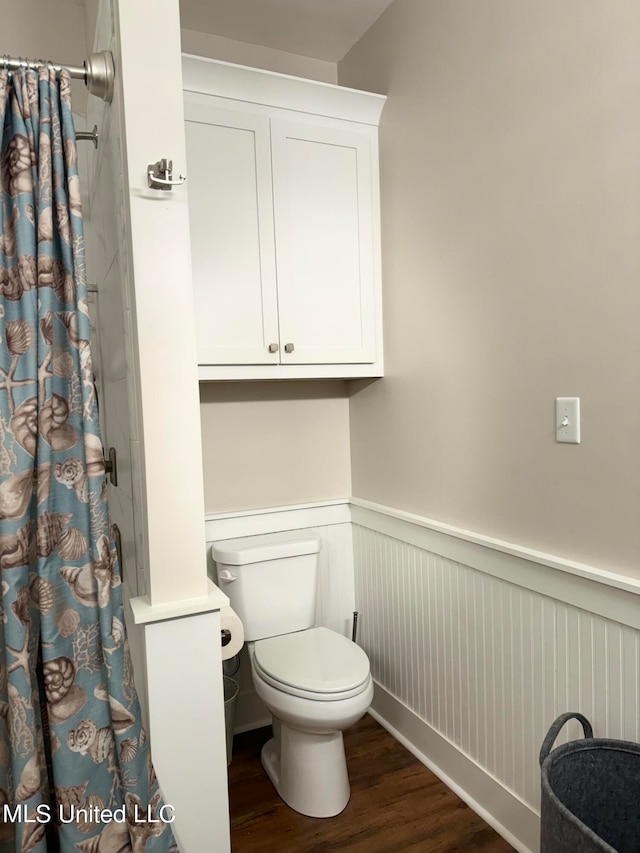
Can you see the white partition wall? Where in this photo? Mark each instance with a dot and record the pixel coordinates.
(140, 247)
(163, 312)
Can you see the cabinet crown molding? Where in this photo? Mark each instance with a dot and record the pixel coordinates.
(255, 85)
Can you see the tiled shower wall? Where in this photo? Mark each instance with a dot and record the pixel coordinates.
(107, 273)
(113, 346)
(490, 664)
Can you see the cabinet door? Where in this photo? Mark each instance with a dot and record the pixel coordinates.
(324, 243)
(231, 222)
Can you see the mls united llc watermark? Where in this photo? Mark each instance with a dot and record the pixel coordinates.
(43, 813)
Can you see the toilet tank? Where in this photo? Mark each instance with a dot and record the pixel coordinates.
(270, 581)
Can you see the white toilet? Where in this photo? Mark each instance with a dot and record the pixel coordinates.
(314, 681)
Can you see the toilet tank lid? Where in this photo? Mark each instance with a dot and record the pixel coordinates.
(258, 549)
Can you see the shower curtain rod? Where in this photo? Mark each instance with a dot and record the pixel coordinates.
(98, 71)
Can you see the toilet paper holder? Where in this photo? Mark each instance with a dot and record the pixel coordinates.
(231, 633)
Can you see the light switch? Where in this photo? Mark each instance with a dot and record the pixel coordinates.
(568, 419)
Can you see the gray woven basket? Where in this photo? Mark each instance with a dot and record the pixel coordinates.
(590, 793)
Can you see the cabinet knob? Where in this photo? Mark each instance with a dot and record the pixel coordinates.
(288, 347)
(273, 347)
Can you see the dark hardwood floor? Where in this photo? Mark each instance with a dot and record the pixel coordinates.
(396, 804)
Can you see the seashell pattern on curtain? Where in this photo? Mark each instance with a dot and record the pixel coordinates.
(71, 739)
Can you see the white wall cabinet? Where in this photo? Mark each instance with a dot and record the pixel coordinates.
(284, 218)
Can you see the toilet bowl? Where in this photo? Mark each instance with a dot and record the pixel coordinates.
(315, 683)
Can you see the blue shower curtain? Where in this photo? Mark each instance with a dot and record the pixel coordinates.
(75, 767)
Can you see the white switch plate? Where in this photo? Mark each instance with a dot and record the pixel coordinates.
(568, 419)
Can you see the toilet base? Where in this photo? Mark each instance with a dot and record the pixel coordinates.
(309, 771)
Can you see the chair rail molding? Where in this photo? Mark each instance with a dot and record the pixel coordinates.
(609, 594)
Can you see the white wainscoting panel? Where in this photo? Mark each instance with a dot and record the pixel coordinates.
(488, 664)
(476, 645)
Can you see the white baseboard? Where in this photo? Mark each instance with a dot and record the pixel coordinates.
(251, 713)
(494, 803)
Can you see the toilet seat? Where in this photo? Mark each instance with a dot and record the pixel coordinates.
(317, 664)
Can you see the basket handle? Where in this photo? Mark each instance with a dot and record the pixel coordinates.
(554, 731)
